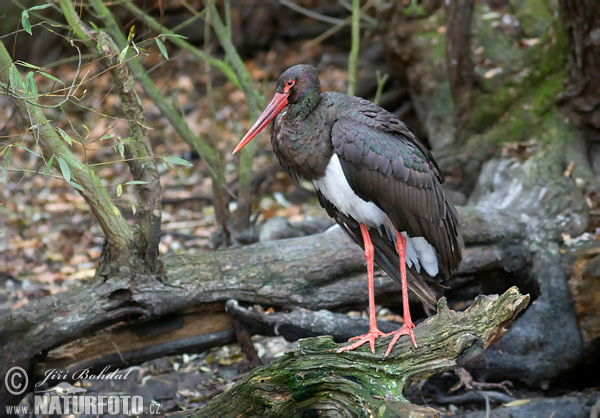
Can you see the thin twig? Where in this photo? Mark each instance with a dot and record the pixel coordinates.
(333, 30)
(310, 13)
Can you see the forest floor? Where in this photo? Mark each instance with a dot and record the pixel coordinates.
(50, 242)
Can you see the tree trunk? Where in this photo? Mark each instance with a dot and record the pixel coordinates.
(581, 19)
(581, 96)
(459, 14)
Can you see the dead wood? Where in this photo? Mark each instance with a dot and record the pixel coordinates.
(314, 380)
(280, 273)
(582, 263)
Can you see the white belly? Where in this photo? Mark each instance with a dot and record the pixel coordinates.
(336, 189)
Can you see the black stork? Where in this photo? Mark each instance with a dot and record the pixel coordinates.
(374, 177)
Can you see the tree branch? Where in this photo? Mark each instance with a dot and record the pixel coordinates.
(277, 273)
(313, 379)
(118, 233)
(138, 151)
(254, 101)
(182, 43)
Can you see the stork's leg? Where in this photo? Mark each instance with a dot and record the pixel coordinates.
(374, 332)
(407, 328)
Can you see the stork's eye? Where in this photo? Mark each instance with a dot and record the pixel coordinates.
(289, 84)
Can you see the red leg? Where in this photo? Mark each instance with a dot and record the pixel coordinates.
(407, 328)
(373, 333)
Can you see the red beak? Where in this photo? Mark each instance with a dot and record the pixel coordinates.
(278, 102)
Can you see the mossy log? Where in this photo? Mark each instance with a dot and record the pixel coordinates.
(277, 273)
(314, 380)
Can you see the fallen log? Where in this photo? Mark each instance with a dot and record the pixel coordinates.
(313, 380)
(280, 273)
(207, 324)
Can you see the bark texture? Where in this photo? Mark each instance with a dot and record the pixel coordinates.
(581, 19)
(276, 273)
(314, 380)
(459, 14)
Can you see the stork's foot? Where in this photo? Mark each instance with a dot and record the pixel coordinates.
(369, 337)
(406, 329)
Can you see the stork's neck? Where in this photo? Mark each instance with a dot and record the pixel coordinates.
(301, 137)
(309, 99)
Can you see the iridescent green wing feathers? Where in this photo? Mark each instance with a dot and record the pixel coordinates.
(385, 164)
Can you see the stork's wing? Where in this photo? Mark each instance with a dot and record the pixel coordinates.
(385, 164)
(385, 252)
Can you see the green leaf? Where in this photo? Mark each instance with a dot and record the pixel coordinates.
(77, 186)
(30, 86)
(173, 35)
(33, 88)
(93, 25)
(28, 78)
(51, 77)
(7, 160)
(64, 169)
(107, 136)
(131, 34)
(177, 161)
(65, 136)
(48, 166)
(27, 149)
(40, 7)
(28, 65)
(133, 209)
(25, 21)
(38, 126)
(414, 7)
(137, 182)
(119, 190)
(137, 51)
(121, 149)
(123, 53)
(14, 77)
(161, 48)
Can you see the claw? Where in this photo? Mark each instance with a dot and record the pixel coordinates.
(406, 329)
(370, 337)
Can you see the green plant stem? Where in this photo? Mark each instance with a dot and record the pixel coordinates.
(381, 80)
(116, 229)
(138, 151)
(238, 74)
(181, 127)
(220, 198)
(353, 57)
(254, 102)
(254, 99)
(329, 32)
(183, 44)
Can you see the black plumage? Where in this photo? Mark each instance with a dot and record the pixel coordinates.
(395, 185)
